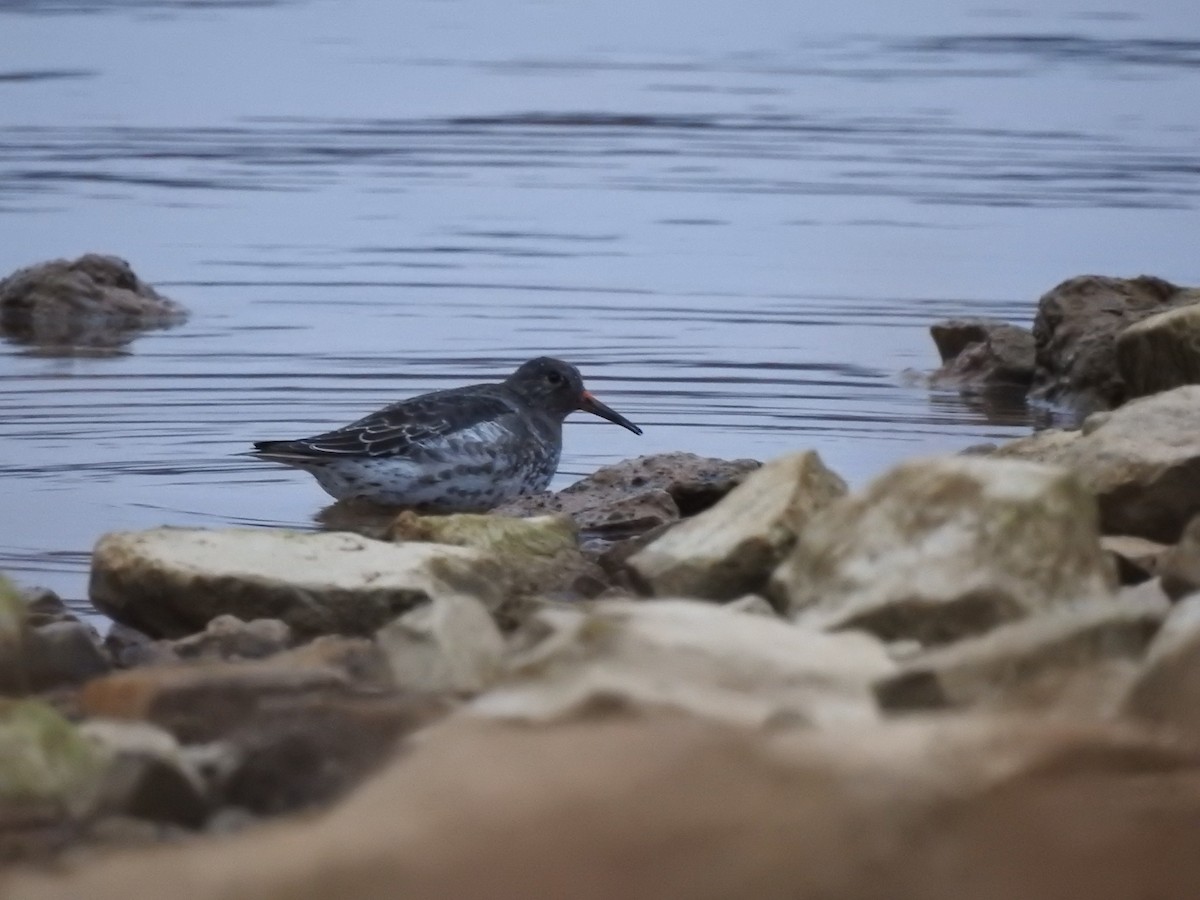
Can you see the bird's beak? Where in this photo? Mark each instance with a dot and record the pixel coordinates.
(588, 403)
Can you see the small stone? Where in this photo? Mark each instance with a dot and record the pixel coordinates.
(732, 548)
(1180, 564)
(1136, 559)
(228, 637)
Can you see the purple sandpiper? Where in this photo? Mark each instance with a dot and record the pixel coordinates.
(467, 449)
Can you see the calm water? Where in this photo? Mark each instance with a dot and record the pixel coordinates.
(739, 220)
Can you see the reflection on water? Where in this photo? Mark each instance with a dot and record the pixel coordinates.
(739, 228)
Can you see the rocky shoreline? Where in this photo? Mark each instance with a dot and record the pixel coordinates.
(685, 677)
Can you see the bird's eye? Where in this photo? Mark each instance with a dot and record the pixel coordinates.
(554, 378)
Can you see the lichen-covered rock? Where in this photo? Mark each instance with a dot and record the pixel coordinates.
(1076, 330)
(170, 582)
(1039, 661)
(941, 549)
(688, 656)
(627, 498)
(1161, 352)
(1142, 462)
(92, 301)
(732, 548)
(449, 646)
(983, 353)
(538, 555)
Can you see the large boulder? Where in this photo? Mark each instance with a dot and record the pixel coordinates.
(991, 809)
(983, 353)
(92, 301)
(635, 495)
(1142, 462)
(1161, 352)
(686, 656)
(170, 582)
(732, 548)
(940, 549)
(1076, 330)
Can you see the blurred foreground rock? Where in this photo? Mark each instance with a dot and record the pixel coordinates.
(94, 302)
(991, 809)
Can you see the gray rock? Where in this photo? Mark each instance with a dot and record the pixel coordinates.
(228, 637)
(1076, 330)
(983, 353)
(93, 301)
(1179, 566)
(449, 646)
(1034, 662)
(732, 548)
(172, 582)
(61, 651)
(1161, 352)
(1136, 559)
(1167, 690)
(1142, 462)
(940, 549)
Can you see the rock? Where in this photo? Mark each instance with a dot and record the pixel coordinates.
(1136, 559)
(1180, 565)
(128, 647)
(626, 499)
(361, 660)
(1167, 690)
(732, 548)
(1076, 330)
(991, 809)
(752, 604)
(46, 766)
(983, 353)
(228, 637)
(93, 301)
(538, 555)
(204, 701)
(450, 646)
(689, 656)
(61, 651)
(43, 606)
(1161, 352)
(146, 776)
(1040, 661)
(171, 582)
(1142, 462)
(940, 549)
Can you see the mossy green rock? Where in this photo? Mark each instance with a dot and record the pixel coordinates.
(44, 758)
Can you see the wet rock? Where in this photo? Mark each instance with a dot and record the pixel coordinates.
(61, 651)
(732, 548)
(94, 302)
(171, 582)
(940, 549)
(983, 353)
(1136, 559)
(1142, 462)
(538, 555)
(626, 498)
(1167, 690)
(1042, 661)
(687, 656)
(1076, 330)
(990, 809)
(449, 646)
(204, 701)
(1162, 351)
(1179, 565)
(228, 637)
(145, 775)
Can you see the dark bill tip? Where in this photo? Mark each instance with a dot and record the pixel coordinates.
(589, 403)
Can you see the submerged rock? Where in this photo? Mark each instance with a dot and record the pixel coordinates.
(686, 656)
(170, 582)
(941, 549)
(1142, 462)
(92, 302)
(1076, 330)
(983, 353)
(732, 548)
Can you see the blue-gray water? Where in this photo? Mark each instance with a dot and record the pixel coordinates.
(738, 219)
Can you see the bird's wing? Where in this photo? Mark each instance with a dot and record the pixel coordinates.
(420, 424)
